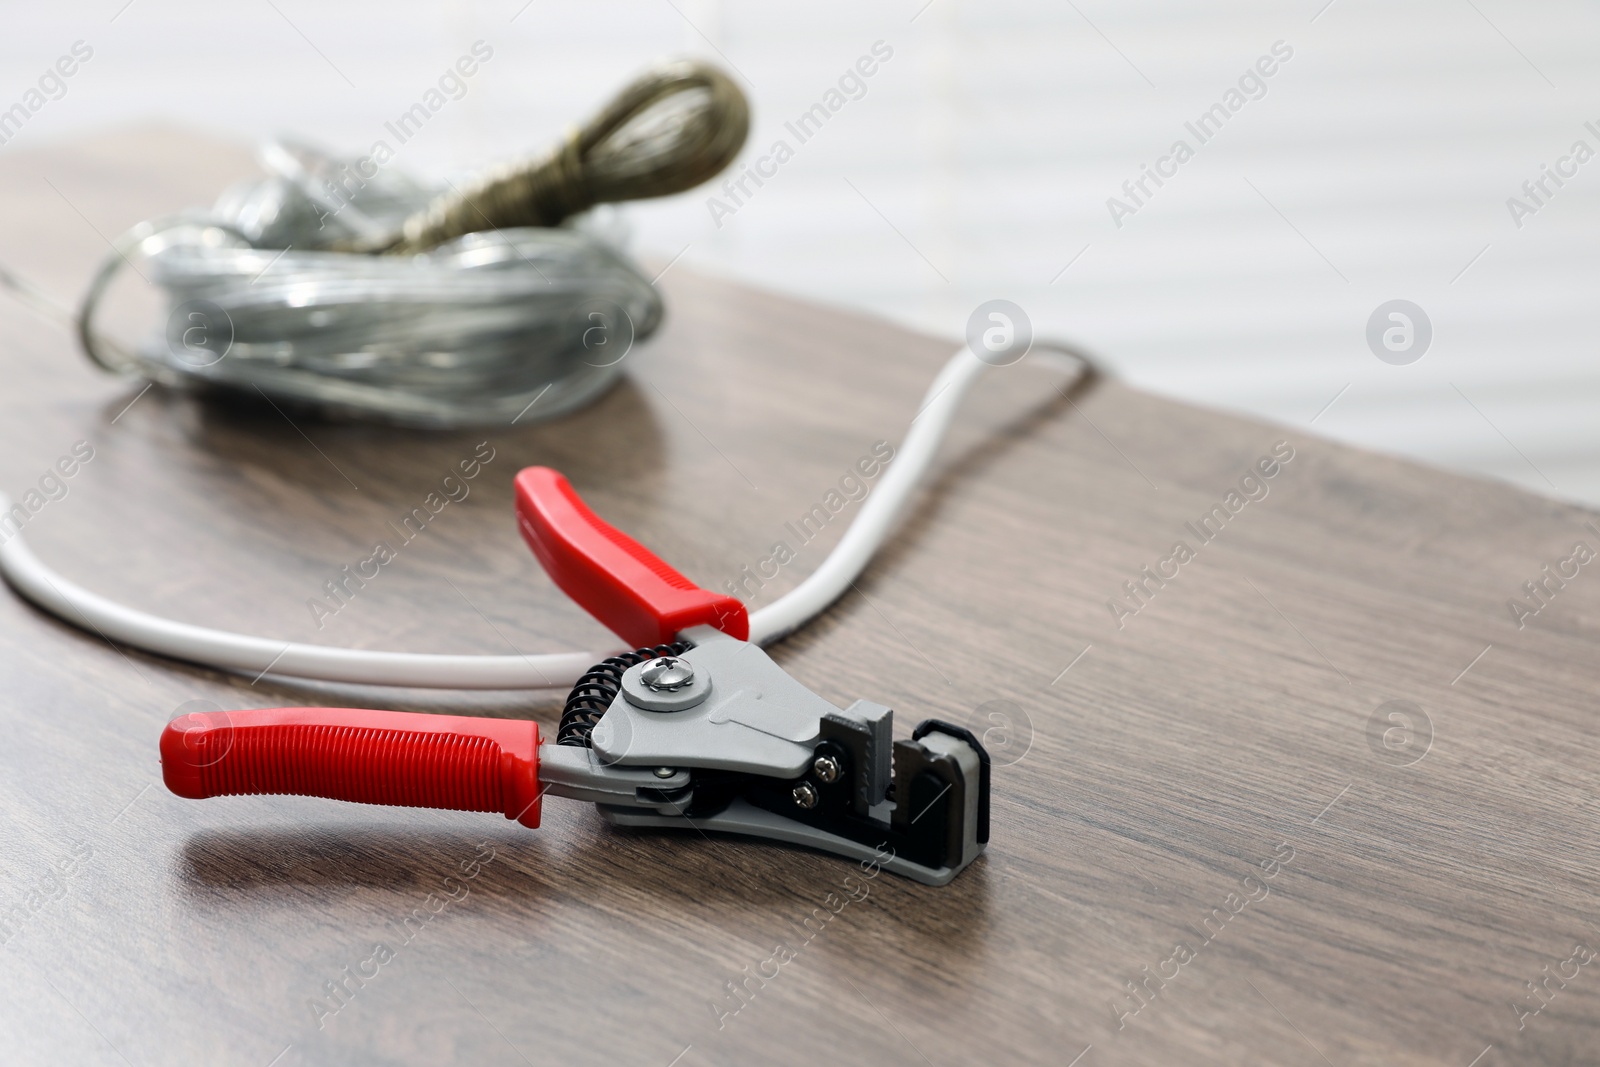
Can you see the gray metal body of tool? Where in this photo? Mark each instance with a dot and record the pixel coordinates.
(722, 739)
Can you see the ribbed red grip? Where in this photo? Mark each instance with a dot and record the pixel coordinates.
(370, 757)
(612, 576)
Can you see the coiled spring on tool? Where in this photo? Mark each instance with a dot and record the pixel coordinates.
(599, 686)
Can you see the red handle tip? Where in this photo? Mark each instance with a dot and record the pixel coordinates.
(615, 578)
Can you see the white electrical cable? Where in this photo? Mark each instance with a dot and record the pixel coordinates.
(242, 653)
(879, 512)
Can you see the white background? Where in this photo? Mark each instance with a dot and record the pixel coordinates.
(979, 162)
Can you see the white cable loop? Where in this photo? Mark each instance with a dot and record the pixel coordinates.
(243, 653)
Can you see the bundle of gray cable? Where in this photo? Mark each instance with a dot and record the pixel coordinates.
(360, 291)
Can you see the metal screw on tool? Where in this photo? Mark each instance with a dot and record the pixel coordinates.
(805, 795)
(666, 674)
(826, 768)
(665, 772)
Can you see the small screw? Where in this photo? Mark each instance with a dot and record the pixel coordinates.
(805, 795)
(665, 772)
(826, 768)
(666, 674)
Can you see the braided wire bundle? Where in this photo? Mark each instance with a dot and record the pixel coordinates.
(336, 284)
(669, 130)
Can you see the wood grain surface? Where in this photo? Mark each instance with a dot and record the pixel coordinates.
(1216, 789)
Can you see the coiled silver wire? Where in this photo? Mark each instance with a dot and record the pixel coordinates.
(493, 326)
(342, 285)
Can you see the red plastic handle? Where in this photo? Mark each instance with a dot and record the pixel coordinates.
(614, 577)
(370, 757)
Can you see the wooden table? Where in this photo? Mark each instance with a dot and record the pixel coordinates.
(1211, 798)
